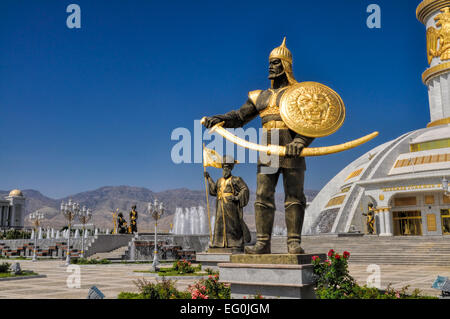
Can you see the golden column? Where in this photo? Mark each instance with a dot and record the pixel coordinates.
(435, 15)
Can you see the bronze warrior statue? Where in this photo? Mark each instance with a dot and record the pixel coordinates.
(230, 230)
(265, 103)
(121, 224)
(133, 220)
(370, 220)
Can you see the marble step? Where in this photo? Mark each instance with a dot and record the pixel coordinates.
(111, 255)
(378, 250)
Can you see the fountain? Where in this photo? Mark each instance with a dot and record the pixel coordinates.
(190, 221)
(279, 231)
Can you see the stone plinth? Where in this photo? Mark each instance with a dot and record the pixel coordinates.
(210, 260)
(220, 250)
(285, 276)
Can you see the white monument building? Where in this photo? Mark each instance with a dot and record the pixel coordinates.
(12, 210)
(405, 179)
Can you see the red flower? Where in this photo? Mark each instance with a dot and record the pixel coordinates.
(330, 253)
(346, 254)
(315, 258)
(337, 256)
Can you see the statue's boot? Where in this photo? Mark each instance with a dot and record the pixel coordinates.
(294, 215)
(264, 217)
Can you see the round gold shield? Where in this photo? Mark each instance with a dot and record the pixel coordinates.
(312, 109)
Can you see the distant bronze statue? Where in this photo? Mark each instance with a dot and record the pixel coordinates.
(133, 220)
(370, 219)
(121, 224)
(114, 217)
(230, 230)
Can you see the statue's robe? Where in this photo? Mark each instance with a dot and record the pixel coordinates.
(133, 221)
(230, 230)
(121, 225)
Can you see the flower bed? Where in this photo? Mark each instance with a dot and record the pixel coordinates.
(209, 288)
(333, 281)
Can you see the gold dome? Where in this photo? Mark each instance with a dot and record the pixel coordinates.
(15, 193)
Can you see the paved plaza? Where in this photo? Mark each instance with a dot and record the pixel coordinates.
(111, 279)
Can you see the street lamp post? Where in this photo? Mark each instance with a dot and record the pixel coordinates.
(84, 215)
(69, 210)
(35, 219)
(156, 211)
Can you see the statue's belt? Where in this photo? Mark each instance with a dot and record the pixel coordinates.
(223, 195)
(275, 125)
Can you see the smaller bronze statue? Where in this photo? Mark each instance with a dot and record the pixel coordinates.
(230, 230)
(121, 224)
(133, 220)
(370, 219)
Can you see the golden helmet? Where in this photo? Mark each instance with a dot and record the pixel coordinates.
(281, 52)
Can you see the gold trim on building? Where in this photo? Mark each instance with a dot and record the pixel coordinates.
(422, 160)
(411, 187)
(336, 201)
(429, 199)
(439, 122)
(382, 209)
(354, 174)
(435, 71)
(446, 199)
(427, 7)
(345, 189)
(430, 145)
(405, 201)
(431, 222)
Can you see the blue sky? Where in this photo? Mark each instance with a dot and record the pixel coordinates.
(84, 108)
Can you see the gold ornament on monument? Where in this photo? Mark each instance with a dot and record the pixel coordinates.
(438, 41)
(312, 109)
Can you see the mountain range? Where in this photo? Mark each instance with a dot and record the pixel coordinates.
(105, 200)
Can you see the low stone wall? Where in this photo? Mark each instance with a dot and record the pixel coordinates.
(53, 247)
(48, 247)
(44, 243)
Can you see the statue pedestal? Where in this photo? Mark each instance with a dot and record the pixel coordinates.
(285, 276)
(214, 256)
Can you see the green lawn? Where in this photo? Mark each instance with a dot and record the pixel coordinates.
(25, 273)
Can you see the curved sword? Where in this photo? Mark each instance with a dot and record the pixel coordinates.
(281, 150)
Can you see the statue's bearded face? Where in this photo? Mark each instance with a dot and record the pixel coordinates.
(226, 170)
(314, 107)
(275, 68)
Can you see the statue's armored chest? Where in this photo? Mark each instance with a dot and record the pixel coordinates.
(268, 102)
